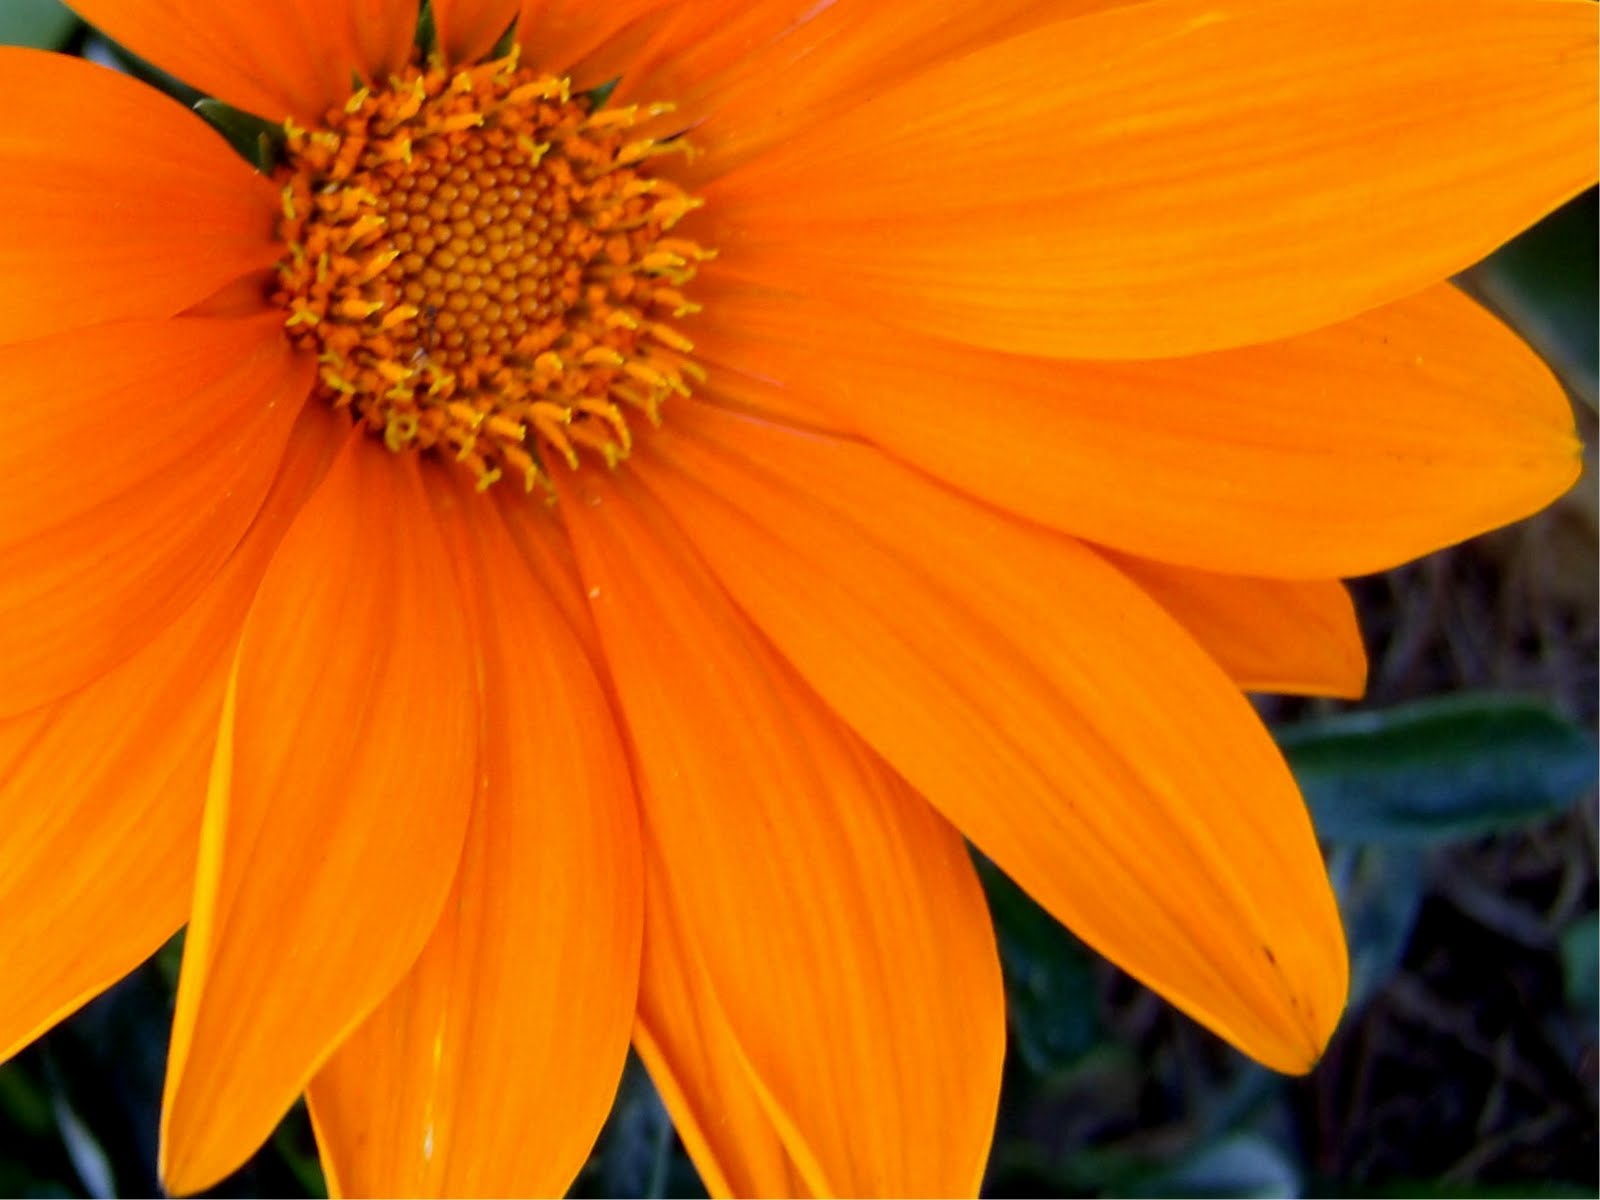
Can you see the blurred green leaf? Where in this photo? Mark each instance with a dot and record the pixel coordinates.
(1050, 993)
(22, 1101)
(88, 1157)
(168, 961)
(14, 1182)
(1543, 283)
(105, 1068)
(303, 1165)
(1436, 1189)
(1440, 769)
(1580, 962)
(43, 24)
(1380, 894)
(638, 1152)
(1244, 1165)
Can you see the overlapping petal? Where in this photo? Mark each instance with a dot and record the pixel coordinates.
(591, 43)
(135, 456)
(746, 81)
(541, 541)
(1336, 453)
(118, 204)
(693, 1056)
(680, 1032)
(491, 1067)
(97, 864)
(287, 58)
(1182, 175)
(468, 29)
(1054, 712)
(1269, 635)
(838, 920)
(338, 802)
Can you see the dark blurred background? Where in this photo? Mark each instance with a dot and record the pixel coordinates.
(1457, 805)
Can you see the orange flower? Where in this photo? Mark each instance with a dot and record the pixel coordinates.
(991, 391)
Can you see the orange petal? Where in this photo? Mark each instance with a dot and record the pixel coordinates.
(537, 534)
(118, 203)
(1341, 452)
(97, 862)
(1182, 175)
(468, 29)
(680, 1034)
(287, 58)
(592, 42)
(1269, 635)
(338, 804)
(749, 79)
(685, 1040)
(531, 976)
(135, 456)
(838, 919)
(1054, 712)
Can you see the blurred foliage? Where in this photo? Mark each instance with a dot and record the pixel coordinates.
(1461, 845)
(1544, 283)
(1459, 767)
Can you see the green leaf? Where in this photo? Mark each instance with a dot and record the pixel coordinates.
(1580, 962)
(22, 1101)
(86, 1154)
(1050, 993)
(305, 1168)
(42, 24)
(1543, 284)
(1380, 894)
(1440, 769)
(638, 1154)
(1451, 1189)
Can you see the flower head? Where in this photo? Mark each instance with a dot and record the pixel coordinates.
(565, 551)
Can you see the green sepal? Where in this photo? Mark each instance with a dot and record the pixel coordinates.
(503, 47)
(427, 32)
(40, 24)
(259, 142)
(599, 95)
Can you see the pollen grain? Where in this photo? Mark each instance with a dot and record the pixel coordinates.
(485, 268)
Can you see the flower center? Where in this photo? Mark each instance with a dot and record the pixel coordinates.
(483, 265)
